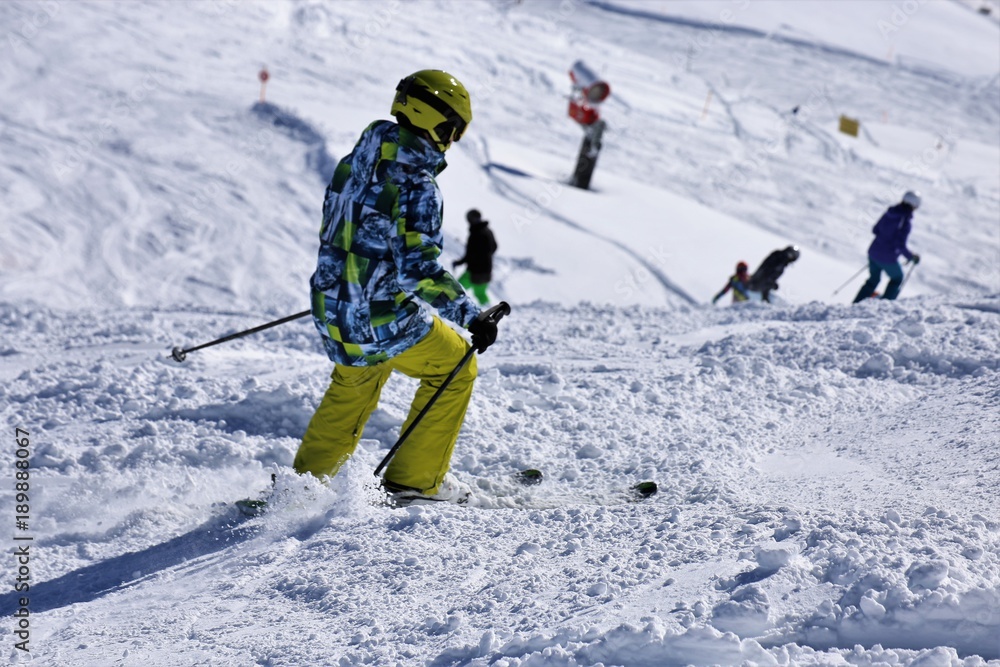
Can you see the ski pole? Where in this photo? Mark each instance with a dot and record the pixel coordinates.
(179, 354)
(850, 279)
(494, 314)
(913, 265)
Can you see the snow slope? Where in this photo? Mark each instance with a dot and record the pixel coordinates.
(910, 33)
(827, 473)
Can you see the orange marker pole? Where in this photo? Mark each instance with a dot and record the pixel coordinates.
(704, 111)
(263, 76)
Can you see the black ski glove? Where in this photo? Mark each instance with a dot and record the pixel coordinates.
(484, 332)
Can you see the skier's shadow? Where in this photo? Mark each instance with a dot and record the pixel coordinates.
(115, 574)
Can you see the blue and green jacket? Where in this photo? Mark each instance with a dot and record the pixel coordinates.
(379, 248)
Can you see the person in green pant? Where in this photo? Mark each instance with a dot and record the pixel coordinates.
(478, 257)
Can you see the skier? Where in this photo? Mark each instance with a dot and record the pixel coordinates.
(478, 257)
(891, 232)
(738, 283)
(765, 278)
(379, 244)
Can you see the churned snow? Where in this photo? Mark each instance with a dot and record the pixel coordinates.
(827, 472)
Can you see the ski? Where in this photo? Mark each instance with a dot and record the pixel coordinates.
(254, 507)
(644, 490)
(251, 507)
(529, 477)
(640, 491)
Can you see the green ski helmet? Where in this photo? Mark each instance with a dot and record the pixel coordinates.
(435, 102)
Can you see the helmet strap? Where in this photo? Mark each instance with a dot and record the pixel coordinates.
(403, 89)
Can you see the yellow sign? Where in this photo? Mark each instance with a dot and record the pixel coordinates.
(849, 126)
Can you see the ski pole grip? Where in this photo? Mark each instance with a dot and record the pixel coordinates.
(498, 312)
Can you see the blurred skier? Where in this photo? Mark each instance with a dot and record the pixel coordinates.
(738, 283)
(379, 244)
(478, 257)
(891, 232)
(765, 278)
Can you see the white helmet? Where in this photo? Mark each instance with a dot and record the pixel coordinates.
(912, 198)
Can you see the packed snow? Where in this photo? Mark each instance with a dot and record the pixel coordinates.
(827, 473)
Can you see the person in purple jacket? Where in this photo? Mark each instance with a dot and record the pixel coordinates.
(890, 242)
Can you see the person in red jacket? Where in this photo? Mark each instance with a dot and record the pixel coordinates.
(738, 282)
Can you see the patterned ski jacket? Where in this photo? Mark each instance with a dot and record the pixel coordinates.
(379, 248)
(891, 232)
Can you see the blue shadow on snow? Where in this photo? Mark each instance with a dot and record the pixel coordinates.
(119, 573)
(318, 158)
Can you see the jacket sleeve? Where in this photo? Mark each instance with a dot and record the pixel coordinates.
(904, 233)
(416, 246)
(722, 292)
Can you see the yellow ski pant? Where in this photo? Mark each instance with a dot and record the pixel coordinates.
(422, 461)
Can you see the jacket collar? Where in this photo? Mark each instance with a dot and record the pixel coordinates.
(417, 152)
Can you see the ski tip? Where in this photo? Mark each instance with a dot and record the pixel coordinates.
(251, 506)
(529, 477)
(645, 489)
